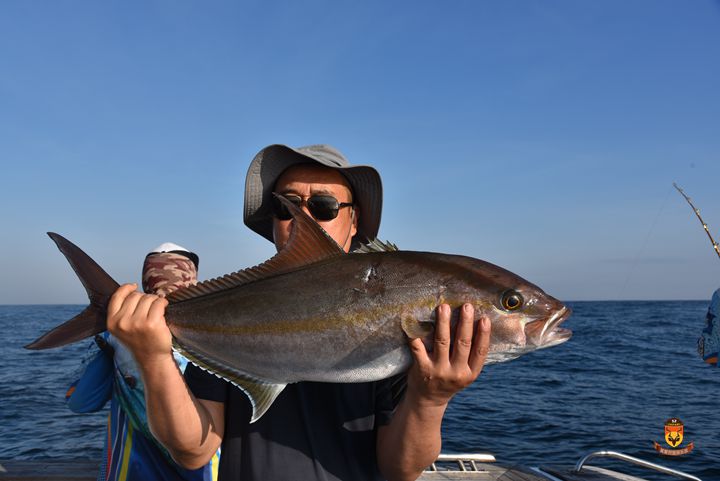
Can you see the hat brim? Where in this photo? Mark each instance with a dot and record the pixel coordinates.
(272, 161)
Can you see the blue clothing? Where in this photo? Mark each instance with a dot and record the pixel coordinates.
(709, 342)
(94, 387)
(131, 452)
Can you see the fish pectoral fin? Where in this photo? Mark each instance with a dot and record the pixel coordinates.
(261, 392)
(416, 329)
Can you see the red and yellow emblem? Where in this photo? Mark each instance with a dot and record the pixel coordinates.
(674, 437)
(673, 432)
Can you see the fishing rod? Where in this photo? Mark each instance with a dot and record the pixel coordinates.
(697, 213)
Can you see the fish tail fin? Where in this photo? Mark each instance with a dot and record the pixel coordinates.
(99, 286)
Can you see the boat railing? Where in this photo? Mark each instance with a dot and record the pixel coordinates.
(636, 461)
(465, 462)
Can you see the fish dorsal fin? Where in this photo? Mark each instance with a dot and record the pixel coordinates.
(376, 245)
(260, 392)
(308, 244)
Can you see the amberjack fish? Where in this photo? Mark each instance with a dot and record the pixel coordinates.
(315, 313)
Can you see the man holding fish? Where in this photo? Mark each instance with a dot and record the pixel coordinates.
(318, 338)
(313, 430)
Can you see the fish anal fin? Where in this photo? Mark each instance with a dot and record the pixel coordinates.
(308, 244)
(261, 395)
(260, 392)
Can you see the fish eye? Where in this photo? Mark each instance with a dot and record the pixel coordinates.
(511, 300)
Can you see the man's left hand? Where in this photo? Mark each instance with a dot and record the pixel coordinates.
(437, 376)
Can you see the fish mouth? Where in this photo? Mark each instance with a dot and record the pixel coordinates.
(546, 333)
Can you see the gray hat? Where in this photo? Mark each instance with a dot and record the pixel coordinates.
(272, 161)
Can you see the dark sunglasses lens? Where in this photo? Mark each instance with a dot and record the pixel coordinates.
(323, 207)
(279, 209)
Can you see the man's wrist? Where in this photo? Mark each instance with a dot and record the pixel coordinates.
(159, 364)
(426, 402)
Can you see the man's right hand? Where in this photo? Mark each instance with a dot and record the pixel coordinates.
(190, 429)
(138, 321)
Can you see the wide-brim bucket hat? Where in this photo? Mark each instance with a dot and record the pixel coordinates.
(272, 161)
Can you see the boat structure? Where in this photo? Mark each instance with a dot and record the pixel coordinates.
(448, 467)
(483, 467)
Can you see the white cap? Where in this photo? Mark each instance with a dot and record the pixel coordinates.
(168, 247)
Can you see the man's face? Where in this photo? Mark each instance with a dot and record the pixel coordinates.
(306, 180)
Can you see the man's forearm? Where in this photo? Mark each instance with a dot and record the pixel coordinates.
(412, 440)
(178, 420)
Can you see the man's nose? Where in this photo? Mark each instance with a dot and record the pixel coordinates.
(305, 209)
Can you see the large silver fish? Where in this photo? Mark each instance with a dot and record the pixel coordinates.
(315, 313)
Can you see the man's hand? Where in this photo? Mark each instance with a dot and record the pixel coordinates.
(190, 429)
(138, 321)
(437, 376)
(412, 441)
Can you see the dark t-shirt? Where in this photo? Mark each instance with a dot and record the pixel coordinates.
(313, 431)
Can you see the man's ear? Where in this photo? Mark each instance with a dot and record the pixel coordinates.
(356, 214)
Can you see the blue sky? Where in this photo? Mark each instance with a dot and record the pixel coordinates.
(541, 136)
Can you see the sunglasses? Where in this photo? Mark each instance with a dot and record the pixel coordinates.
(321, 207)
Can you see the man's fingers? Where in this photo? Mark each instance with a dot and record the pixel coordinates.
(122, 321)
(143, 306)
(463, 335)
(157, 308)
(441, 346)
(117, 299)
(481, 345)
(123, 316)
(419, 352)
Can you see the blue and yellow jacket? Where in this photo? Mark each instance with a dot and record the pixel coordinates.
(131, 452)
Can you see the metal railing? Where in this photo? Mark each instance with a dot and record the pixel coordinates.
(636, 461)
(462, 459)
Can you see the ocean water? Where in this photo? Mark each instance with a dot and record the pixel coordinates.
(629, 367)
